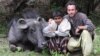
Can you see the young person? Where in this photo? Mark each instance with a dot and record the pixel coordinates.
(58, 32)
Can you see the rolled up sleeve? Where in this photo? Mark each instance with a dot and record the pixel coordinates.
(88, 23)
(90, 26)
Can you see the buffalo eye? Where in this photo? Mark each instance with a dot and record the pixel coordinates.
(32, 30)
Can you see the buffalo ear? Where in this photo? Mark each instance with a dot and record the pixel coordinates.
(21, 21)
(22, 24)
(39, 19)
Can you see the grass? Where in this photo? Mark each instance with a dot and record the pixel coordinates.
(4, 48)
(3, 28)
(97, 42)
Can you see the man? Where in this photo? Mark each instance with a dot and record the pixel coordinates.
(82, 31)
(58, 32)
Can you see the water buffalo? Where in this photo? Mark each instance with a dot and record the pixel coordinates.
(26, 31)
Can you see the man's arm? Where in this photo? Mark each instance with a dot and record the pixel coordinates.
(88, 25)
(49, 31)
(59, 33)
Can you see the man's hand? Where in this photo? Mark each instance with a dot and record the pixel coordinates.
(77, 31)
(50, 20)
(82, 27)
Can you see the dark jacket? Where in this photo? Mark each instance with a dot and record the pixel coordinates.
(80, 19)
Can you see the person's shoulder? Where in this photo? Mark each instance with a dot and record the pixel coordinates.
(65, 20)
(65, 16)
(81, 14)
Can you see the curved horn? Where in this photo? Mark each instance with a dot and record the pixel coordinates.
(39, 18)
(22, 24)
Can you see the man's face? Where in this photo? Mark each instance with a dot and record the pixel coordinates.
(71, 10)
(58, 19)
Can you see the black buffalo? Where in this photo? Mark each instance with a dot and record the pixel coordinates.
(26, 31)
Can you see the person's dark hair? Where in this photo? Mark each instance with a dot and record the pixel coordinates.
(58, 13)
(71, 3)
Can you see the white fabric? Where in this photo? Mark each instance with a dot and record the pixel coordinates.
(63, 29)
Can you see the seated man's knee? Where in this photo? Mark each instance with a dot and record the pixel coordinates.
(85, 32)
(72, 47)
